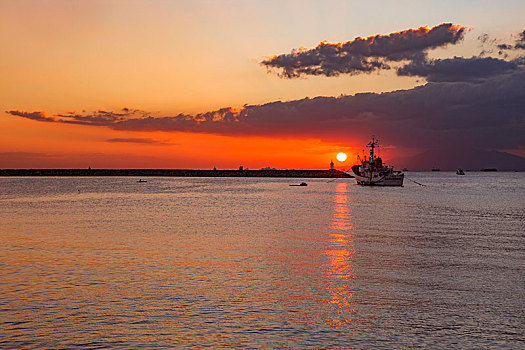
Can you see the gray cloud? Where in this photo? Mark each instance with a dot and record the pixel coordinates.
(100, 117)
(504, 47)
(37, 115)
(487, 114)
(518, 44)
(472, 69)
(405, 51)
(520, 41)
(363, 55)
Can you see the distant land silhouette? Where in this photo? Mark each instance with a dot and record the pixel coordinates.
(468, 159)
(332, 173)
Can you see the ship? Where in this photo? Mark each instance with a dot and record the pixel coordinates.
(372, 171)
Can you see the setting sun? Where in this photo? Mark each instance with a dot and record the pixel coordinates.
(341, 156)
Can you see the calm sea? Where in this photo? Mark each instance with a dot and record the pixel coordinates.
(255, 263)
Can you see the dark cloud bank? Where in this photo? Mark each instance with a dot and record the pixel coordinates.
(489, 114)
(469, 103)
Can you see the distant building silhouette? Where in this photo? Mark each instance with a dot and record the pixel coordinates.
(332, 165)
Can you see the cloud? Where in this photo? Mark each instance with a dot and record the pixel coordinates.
(520, 41)
(504, 47)
(38, 115)
(471, 69)
(138, 140)
(486, 114)
(99, 117)
(406, 51)
(518, 44)
(364, 55)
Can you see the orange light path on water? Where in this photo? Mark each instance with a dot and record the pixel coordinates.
(341, 268)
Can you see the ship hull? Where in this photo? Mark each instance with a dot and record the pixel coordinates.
(389, 180)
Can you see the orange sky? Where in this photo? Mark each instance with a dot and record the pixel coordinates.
(186, 57)
(60, 146)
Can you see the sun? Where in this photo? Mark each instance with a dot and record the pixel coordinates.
(341, 156)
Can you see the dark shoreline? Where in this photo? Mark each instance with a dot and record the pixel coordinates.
(176, 173)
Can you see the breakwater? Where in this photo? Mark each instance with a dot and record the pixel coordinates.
(177, 173)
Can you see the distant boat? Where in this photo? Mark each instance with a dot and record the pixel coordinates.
(301, 184)
(460, 172)
(436, 169)
(405, 169)
(372, 171)
(490, 169)
(140, 180)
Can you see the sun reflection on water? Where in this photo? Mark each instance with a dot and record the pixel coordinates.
(341, 268)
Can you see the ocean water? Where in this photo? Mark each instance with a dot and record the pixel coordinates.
(254, 263)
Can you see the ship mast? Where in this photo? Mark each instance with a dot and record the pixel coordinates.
(372, 144)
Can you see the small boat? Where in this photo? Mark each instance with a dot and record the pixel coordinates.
(460, 172)
(436, 169)
(301, 184)
(140, 180)
(372, 171)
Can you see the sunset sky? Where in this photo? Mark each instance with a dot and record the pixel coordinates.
(198, 84)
